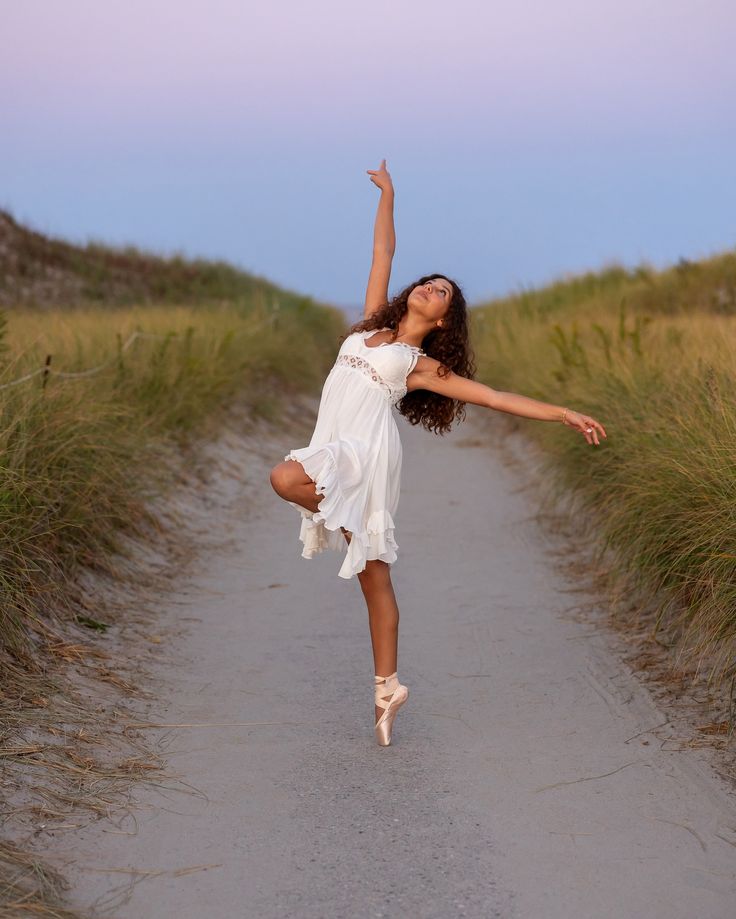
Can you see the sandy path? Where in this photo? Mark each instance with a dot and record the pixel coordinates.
(522, 781)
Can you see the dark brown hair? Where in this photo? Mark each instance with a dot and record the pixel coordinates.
(449, 345)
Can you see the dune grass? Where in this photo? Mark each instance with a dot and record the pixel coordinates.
(78, 453)
(37, 270)
(82, 460)
(652, 355)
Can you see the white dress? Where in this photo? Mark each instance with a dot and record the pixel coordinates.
(354, 456)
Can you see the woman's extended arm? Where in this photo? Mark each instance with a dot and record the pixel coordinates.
(384, 242)
(454, 386)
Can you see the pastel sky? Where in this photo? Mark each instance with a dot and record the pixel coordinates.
(525, 139)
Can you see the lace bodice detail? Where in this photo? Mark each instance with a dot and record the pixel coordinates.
(386, 366)
(394, 393)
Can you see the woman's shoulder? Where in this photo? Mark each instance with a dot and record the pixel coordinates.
(351, 339)
(356, 334)
(424, 362)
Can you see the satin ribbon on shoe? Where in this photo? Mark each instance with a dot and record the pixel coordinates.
(398, 694)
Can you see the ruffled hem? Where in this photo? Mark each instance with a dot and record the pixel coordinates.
(320, 530)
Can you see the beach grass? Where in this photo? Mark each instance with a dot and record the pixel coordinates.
(79, 452)
(652, 356)
(115, 366)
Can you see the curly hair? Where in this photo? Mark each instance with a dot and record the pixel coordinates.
(448, 345)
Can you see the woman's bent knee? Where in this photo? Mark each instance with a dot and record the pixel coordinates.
(281, 478)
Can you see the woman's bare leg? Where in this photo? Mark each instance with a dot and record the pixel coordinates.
(383, 616)
(291, 482)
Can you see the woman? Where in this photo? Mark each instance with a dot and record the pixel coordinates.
(411, 352)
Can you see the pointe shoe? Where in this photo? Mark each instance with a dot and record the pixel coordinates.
(395, 695)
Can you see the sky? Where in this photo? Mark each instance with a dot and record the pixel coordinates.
(526, 139)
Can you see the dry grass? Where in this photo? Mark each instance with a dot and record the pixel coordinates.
(653, 357)
(699, 712)
(44, 272)
(178, 349)
(85, 461)
(75, 738)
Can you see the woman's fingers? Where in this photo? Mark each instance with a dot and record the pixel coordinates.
(595, 426)
(380, 177)
(375, 171)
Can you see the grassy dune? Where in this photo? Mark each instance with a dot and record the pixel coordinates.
(652, 355)
(175, 340)
(76, 454)
(44, 272)
(173, 346)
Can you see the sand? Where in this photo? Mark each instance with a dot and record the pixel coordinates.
(529, 776)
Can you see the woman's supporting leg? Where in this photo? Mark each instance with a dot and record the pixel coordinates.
(291, 482)
(383, 617)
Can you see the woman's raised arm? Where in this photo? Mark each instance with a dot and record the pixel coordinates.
(384, 242)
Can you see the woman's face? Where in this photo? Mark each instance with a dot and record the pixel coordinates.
(432, 299)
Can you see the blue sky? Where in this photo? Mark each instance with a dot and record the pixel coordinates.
(525, 140)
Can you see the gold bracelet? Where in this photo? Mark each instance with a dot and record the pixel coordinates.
(564, 415)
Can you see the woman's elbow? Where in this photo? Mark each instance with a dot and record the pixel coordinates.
(492, 399)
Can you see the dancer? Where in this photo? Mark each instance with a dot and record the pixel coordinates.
(411, 352)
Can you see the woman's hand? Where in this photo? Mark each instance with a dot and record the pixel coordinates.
(380, 177)
(587, 426)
